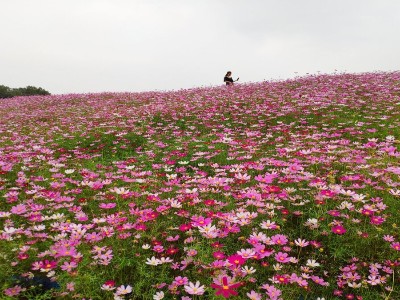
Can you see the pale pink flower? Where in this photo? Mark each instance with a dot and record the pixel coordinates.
(123, 290)
(194, 289)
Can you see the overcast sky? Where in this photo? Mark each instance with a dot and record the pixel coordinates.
(73, 46)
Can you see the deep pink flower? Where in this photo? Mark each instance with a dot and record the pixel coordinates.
(225, 287)
(236, 259)
(110, 283)
(48, 265)
(377, 220)
(219, 255)
(338, 229)
(281, 278)
(23, 256)
(185, 227)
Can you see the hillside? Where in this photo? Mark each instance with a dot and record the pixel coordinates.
(272, 190)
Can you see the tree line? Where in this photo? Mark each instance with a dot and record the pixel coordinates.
(7, 92)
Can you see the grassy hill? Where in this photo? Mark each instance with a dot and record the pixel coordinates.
(272, 190)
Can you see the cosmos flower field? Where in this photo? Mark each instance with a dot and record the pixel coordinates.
(274, 190)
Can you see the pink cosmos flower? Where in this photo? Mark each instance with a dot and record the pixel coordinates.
(191, 252)
(319, 280)
(70, 286)
(180, 280)
(395, 246)
(279, 239)
(253, 295)
(272, 292)
(69, 266)
(14, 291)
(65, 251)
(19, 209)
(282, 257)
(107, 205)
(218, 255)
(262, 251)
(23, 256)
(267, 178)
(158, 248)
(200, 221)
(93, 237)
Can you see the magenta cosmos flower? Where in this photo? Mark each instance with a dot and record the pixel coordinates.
(236, 259)
(339, 229)
(227, 287)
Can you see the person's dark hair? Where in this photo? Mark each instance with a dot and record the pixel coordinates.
(228, 73)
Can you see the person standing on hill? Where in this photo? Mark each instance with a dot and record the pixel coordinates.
(228, 78)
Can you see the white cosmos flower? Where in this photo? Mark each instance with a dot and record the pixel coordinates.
(158, 296)
(394, 192)
(153, 261)
(171, 176)
(175, 204)
(146, 246)
(207, 228)
(4, 214)
(9, 230)
(390, 138)
(301, 243)
(122, 290)
(312, 263)
(164, 260)
(248, 270)
(119, 191)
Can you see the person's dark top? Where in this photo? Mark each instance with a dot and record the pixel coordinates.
(228, 80)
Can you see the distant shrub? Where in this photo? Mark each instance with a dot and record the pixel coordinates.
(7, 92)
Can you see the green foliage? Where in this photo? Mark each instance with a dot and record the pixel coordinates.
(7, 92)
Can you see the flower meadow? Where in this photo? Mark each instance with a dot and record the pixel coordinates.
(273, 190)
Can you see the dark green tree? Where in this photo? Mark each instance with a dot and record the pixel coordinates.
(6, 92)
